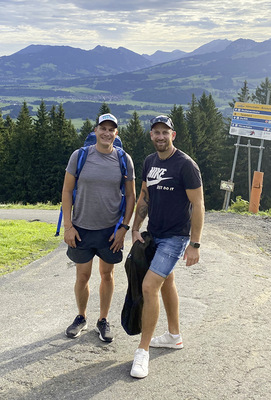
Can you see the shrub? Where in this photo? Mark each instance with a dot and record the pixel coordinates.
(240, 205)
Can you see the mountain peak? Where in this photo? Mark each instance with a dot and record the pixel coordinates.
(213, 46)
(242, 45)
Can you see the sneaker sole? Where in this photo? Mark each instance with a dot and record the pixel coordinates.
(101, 338)
(168, 346)
(134, 375)
(78, 334)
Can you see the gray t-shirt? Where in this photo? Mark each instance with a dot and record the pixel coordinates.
(98, 192)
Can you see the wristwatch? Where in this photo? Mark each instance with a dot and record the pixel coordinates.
(127, 227)
(195, 245)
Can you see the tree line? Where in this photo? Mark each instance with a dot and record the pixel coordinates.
(34, 151)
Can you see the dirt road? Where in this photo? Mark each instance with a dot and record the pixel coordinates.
(225, 321)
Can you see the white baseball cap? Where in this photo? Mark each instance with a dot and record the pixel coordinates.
(108, 117)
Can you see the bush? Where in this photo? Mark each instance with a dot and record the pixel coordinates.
(240, 205)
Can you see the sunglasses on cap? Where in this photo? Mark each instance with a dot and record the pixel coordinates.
(164, 119)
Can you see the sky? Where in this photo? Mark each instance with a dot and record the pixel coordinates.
(143, 26)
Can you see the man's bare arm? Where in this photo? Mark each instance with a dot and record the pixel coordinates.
(195, 197)
(141, 212)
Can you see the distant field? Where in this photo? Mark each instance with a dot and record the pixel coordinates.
(78, 108)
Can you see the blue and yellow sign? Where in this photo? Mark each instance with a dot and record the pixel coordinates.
(251, 120)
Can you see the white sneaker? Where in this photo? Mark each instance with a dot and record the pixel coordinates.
(167, 340)
(140, 367)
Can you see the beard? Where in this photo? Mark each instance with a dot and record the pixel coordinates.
(161, 146)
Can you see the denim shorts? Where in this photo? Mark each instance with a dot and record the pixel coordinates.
(168, 252)
(94, 243)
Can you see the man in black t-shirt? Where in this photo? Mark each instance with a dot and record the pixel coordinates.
(172, 196)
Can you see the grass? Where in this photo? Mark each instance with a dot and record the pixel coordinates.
(22, 242)
(42, 206)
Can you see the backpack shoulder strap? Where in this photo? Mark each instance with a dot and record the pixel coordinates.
(123, 164)
(82, 156)
(81, 159)
(123, 167)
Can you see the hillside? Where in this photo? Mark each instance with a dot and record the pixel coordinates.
(38, 62)
(220, 73)
(61, 73)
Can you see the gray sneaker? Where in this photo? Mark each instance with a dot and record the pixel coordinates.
(103, 328)
(75, 329)
(167, 340)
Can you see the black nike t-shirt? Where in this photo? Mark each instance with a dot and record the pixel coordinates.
(167, 180)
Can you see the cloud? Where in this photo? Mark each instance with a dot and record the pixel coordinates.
(143, 26)
(138, 5)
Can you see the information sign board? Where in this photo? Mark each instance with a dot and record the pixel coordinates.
(251, 120)
(227, 185)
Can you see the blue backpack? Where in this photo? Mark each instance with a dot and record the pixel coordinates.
(82, 156)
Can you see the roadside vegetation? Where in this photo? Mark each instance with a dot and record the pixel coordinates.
(241, 206)
(42, 206)
(22, 242)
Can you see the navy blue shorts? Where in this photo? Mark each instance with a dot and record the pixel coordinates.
(94, 243)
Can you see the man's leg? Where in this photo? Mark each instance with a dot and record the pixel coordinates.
(106, 287)
(171, 302)
(106, 294)
(151, 307)
(81, 287)
(171, 339)
(150, 287)
(81, 290)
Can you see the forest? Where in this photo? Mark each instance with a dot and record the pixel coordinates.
(34, 151)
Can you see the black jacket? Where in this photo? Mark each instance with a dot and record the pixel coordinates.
(136, 266)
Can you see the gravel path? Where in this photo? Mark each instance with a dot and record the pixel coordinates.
(253, 228)
(225, 314)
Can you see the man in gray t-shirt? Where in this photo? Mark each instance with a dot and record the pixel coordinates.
(89, 225)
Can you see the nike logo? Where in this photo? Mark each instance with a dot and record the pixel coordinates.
(155, 181)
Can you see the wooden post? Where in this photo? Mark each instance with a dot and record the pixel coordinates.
(255, 197)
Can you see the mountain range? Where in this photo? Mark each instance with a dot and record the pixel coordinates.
(219, 67)
(50, 62)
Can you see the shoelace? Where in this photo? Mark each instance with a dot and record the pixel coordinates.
(78, 321)
(139, 359)
(106, 325)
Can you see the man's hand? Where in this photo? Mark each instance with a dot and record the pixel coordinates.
(136, 235)
(118, 240)
(70, 235)
(191, 255)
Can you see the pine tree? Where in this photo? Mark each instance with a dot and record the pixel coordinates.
(134, 139)
(4, 160)
(41, 135)
(7, 168)
(22, 158)
(62, 141)
(183, 140)
(261, 93)
(242, 96)
(3, 140)
(84, 131)
(209, 149)
(104, 109)
(193, 121)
